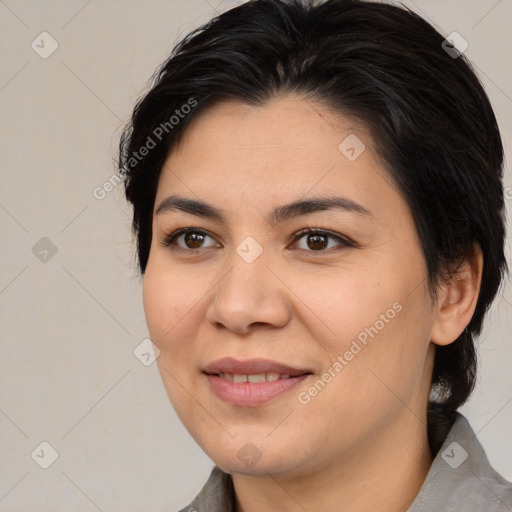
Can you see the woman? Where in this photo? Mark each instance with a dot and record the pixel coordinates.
(318, 205)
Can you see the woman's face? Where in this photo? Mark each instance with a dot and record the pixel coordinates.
(332, 328)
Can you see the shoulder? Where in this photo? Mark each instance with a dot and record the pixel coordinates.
(461, 477)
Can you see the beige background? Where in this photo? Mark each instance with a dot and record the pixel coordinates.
(69, 325)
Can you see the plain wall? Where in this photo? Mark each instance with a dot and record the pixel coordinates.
(71, 320)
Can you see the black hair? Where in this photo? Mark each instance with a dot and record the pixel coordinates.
(428, 114)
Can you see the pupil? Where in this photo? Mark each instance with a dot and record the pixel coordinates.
(318, 241)
(193, 238)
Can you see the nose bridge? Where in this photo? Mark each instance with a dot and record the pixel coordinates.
(248, 293)
(247, 273)
(248, 258)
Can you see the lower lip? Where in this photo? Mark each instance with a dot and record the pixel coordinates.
(248, 394)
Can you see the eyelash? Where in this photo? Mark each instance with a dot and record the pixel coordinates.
(170, 239)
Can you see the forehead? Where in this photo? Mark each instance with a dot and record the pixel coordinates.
(286, 149)
(289, 121)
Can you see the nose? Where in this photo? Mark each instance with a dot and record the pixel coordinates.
(249, 295)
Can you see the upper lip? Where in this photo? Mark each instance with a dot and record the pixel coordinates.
(251, 367)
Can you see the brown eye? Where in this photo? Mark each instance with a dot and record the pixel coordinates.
(187, 239)
(318, 241)
(193, 240)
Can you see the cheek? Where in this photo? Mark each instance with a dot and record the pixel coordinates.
(167, 302)
(377, 331)
(168, 306)
(345, 303)
(158, 304)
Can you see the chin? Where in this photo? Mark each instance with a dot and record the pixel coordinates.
(256, 457)
(259, 468)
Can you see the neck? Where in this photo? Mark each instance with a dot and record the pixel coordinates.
(385, 475)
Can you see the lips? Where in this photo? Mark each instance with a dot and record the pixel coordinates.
(253, 382)
(231, 366)
(254, 378)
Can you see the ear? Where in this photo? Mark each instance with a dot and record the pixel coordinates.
(456, 300)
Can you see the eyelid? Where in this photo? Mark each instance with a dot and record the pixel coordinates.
(343, 240)
(170, 239)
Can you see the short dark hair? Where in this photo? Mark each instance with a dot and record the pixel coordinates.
(430, 118)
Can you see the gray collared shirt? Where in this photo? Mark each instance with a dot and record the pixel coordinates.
(460, 479)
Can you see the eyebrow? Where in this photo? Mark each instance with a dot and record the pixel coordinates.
(278, 215)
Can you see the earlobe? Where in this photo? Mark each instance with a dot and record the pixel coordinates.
(457, 299)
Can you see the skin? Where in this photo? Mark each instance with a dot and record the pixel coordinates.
(361, 442)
